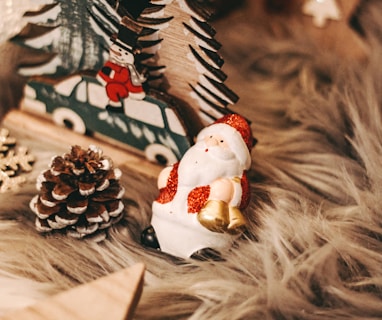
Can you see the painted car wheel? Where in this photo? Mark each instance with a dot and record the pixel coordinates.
(69, 119)
(160, 154)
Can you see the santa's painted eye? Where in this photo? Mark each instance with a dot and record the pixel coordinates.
(221, 141)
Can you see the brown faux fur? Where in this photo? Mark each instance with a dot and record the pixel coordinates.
(313, 248)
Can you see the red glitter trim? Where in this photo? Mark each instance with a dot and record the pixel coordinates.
(246, 192)
(167, 193)
(197, 198)
(241, 125)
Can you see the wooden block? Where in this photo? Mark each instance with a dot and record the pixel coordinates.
(113, 297)
(45, 130)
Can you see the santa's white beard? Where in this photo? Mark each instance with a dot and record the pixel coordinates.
(202, 165)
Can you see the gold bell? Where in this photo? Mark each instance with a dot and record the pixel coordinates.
(214, 216)
(236, 219)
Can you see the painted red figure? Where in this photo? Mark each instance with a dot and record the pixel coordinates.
(120, 77)
(118, 82)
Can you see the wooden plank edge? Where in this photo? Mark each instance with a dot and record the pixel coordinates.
(45, 130)
(113, 297)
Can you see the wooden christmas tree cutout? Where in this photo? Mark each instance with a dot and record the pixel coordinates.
(113, 297)
(177, 29)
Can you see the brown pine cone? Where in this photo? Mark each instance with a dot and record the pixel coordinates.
(80, 195)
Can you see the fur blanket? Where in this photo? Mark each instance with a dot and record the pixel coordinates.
(313, 248)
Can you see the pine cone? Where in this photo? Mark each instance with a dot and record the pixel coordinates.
(80, 195)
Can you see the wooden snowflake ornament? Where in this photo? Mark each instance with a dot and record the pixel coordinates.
(13, 161)
(5, 140)
(80, 195)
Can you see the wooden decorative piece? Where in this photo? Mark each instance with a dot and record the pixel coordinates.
(201, 198)
(113, 297)
(152, 126)
(124, 72)
(13, 162)
(47, 132)
(119, 75)
(197, 77)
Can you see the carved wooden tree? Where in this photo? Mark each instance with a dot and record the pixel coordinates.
(193, 66)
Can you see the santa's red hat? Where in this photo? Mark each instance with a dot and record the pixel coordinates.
(236, 132)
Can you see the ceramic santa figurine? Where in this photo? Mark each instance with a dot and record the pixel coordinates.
(201, 198)
(119, 75)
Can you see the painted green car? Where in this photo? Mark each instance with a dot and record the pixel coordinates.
(153, 125)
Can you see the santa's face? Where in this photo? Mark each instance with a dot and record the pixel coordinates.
(120, 56)
(218, 147)
(208, 160)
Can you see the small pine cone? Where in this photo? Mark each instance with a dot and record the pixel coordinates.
(80, 195)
